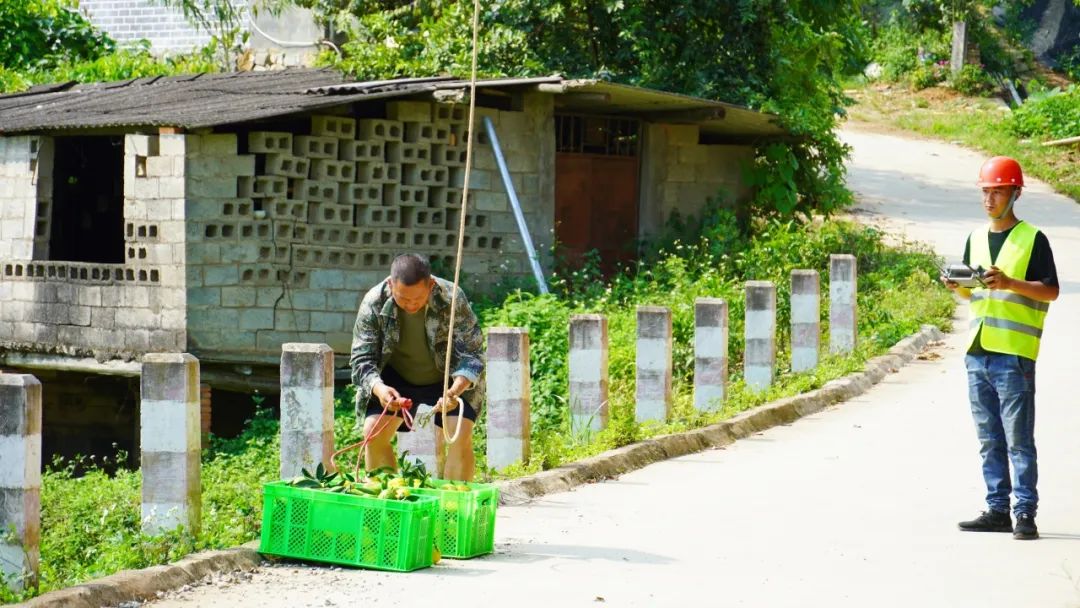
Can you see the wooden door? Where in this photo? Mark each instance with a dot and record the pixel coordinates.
(596, 206)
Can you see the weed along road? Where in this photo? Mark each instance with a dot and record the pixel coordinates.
(853, 506)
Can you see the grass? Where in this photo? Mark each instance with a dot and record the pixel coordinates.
(976, 122)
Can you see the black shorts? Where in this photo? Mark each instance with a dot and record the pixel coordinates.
(427, 394)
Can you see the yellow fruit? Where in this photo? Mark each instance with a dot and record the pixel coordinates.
(397, 482)
(436, 555)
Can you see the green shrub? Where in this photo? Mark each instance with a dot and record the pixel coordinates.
(927, 75)
(11, 80)
(123, 64)
(972, 80)
(1049, 114)
(900, 50)
(1069, 62)
(131, 63)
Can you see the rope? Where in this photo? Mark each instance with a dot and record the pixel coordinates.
(407, 420)
(461, 228)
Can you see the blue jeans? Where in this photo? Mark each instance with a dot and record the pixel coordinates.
(1002, 393)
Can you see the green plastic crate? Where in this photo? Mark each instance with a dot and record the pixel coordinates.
(465, 524)
(347, 529)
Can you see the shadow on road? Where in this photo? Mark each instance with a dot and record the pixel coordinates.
(526, 552)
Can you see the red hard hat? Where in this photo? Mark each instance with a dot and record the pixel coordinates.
(1001, 171)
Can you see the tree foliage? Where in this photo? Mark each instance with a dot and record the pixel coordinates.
(43, 33)
(782, 56)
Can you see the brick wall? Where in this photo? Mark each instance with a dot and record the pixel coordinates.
(128, 21)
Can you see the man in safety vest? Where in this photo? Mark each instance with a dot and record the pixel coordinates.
(399, 356)
(1007, 313)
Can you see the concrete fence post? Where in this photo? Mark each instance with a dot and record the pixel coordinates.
(759, 360)
(959, 47)
(20, 480)
(508, 386)
(307, 407)
(588, 372)
(170, 439)
(654, 365)
(805, 319)
(843, 287)
(710, 353)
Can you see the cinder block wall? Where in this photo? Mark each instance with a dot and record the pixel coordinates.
(25, 162)
(681, 174)
(282, 242)
(77, 308)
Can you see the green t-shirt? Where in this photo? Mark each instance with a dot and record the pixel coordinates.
(412, 357)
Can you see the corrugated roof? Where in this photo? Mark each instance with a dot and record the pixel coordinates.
(206, 100)
(179, 101)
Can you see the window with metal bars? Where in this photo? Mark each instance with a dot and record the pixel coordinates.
(602, 135)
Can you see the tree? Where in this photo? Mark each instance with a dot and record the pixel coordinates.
(777, 55)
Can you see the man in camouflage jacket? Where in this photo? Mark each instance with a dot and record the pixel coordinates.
(398, 352)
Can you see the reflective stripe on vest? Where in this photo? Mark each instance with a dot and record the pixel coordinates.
(1006, 322)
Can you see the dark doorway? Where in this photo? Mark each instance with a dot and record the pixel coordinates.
(596, 188)
(88, 200)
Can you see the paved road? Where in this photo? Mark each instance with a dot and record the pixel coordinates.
(854, 506)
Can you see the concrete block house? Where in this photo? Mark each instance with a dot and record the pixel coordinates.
(224, 215)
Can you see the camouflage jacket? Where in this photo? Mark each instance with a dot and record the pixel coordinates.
(376, 334)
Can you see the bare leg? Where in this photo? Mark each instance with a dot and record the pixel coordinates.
(378, 452)
(460, 462)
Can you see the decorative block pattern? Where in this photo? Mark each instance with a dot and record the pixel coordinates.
(376, 129)
(287, 165)
(339, 127)
(309, 146)
(268, 142)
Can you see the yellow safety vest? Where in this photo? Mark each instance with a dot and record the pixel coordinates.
(1009, 323)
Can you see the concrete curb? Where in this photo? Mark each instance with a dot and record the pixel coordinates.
(635, 456)
(145, 584)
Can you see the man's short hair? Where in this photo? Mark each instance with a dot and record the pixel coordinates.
(410, 268)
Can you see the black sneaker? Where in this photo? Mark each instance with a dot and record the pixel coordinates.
(1025, 528)
(989, 521)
